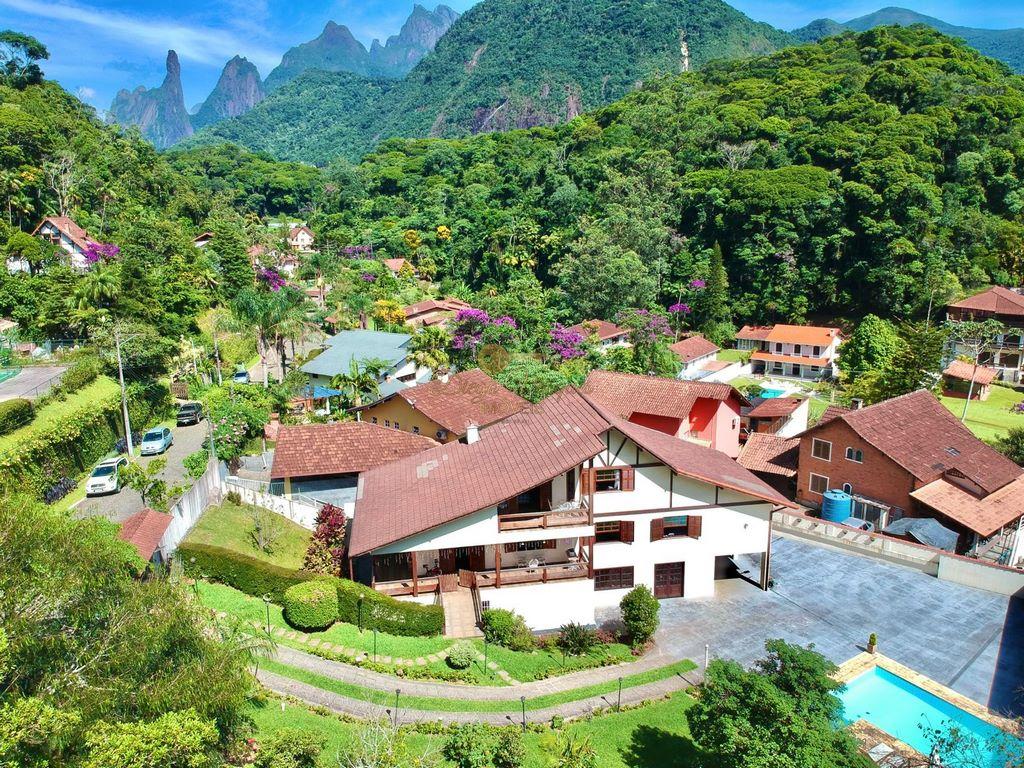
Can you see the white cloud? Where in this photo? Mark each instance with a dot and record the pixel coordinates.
(85, 93)
(202, 45)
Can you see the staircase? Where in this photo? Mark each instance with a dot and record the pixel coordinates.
(459, 613)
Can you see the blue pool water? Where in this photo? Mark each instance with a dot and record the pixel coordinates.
(899, 707)
(768, 393)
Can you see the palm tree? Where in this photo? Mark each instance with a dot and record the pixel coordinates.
(360, 380)
(429, 348)
(93, 298)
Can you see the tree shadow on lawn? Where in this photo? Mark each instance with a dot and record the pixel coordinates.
(656, 747)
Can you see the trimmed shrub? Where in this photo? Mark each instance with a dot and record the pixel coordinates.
(469, 745)
(461, 655)
(246, 574)
(509, 752)
(506, 628)
(79, 375)
(14, 414)
(311, 605)
(290, 748)
(576, 639)
(385, 614)
(640, 614)
(195, 463)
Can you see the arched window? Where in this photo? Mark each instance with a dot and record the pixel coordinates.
(855, 454)
(847, 488)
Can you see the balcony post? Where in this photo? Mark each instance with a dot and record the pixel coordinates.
(590, 557)
(497, 566)
(415, 574)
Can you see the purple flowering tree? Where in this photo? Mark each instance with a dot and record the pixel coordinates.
(473, 328)
(566, 344)
(683, 308)
(271, 278)
(100, 252)
(650, 334)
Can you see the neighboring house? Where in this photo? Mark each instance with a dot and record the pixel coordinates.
(203, 240)
(800, 351)
(395, 265)
(324, 461)
(959, 378)
(782, 416)
(1006, 305)
(606, 335)
(773, 459)
(301, 239)
(690, 410)
(288, 264)
(445, 409)
(146, 531)
(558, 511)
(63, 232)
(694, 352)
(360, 346)
(433, 311)
(910, 457)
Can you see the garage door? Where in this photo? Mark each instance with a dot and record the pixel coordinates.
(668, 580)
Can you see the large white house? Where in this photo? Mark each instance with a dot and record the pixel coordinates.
(800, 351)
(556, 512)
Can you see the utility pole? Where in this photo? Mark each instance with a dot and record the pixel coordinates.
(216, 356)
(124, 396)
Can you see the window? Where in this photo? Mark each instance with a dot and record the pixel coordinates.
(396, 425)
(847, 488)
(415, 430)
(818, 484)
(617, 530)
(816, 351)
(387, 422)
(607, 480)
(374, 419)
(796, 349)
(778, 348)
(821, 449)
(676, 526)
(530, 546)
(613, 578)
(855, 454)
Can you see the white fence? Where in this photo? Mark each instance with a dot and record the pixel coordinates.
(187, 510)
(299, 509)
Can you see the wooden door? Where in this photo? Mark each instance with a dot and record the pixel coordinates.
(668, 580)
(446, 561)
(476, 559)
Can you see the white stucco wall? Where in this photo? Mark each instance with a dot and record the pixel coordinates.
(797, 421)
(546, 606)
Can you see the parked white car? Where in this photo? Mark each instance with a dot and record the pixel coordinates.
(156, 441)
(106, 478)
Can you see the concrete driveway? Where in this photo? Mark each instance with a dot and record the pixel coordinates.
(967, 639)
(120, 506)
(32, 381)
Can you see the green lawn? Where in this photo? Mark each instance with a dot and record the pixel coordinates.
(425, 703)
(652, 736)
(58, 411)
(734, 355)
(989, 419)
(544, 663)
(229, 526)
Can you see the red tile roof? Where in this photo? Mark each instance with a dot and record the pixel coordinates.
(602, 328)
(775, 407)
(317, 450)
(984, 516)
(831, 412)
(296, 231)
(67, 225)
(395, 265)
(770, 454)
(754, 332)
(693, 347)
(981, 374)
(434, 305)
(814, 335)
(996, 300)
(917, 432)
(535, 445)
(470, 397)
(714, 366)
(627, 393)
(144, 531)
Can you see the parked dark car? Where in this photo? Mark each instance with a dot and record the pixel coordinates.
(190, 413)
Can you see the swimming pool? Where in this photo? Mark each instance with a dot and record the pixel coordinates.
(899, 708)
(770, 392)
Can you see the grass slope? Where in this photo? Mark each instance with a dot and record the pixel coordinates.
(229, 526)
(58, 411)
(989, 419)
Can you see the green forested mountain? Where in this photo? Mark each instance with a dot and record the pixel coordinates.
(866, 173)
(1004, 44)
(507, 64)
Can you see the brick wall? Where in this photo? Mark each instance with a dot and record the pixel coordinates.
(878, 477)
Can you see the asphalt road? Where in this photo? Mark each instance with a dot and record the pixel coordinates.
(120, 506)
(32, 381)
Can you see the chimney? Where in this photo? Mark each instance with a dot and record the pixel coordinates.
(472, 434)
(856, 403)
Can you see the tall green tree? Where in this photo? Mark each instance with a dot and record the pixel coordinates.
(20, 55)
(871, 347)
(597, 278)
(716, 320)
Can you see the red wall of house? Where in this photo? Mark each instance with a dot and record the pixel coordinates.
(878, 477)
(666, 424)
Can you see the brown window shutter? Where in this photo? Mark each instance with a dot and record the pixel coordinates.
(550, 543)
(693, 526)
(627, 478)
(586, 481)
(657, 529)
(510, 549)
(626, 531)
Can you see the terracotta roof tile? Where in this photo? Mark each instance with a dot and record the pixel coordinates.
(997, 300)
(67, 225)
(754, 332)
(602, 328)
(317, 450)
(714, 366)
(831, 412)
(395, 265)
(814, 335)
(432, 305)
(626, 393)
(470, 397)
(982, 375)
(775, 407)
(771, 454)
(693, 347)
(984, 516)
(144, 531)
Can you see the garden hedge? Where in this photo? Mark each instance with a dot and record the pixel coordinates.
(258, 578)
(311, 605)
(14, 414)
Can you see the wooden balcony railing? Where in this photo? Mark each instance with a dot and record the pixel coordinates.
(543, 520)
(540, 574)
(424, 585)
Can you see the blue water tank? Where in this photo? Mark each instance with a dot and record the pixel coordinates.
(837, 506)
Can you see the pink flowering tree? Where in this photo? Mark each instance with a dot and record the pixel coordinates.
(650, 335)
(472, 328)
(96, 253)
(566, 344)
(682, 310)
(270, 278)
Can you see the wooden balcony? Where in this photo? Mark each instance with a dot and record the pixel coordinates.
(424, 585)
(555, 518)
(541, 574)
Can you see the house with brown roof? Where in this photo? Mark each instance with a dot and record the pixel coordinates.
(324, 461)
(433, 311)
(63, 232)
(1006, 305)
(782, 416)
(695, 353)
(203, 240)
(556, 512)
(395, 265)
(147, 532)
(445, 409)
(301, 239)
(773, 459)
(799, 351)
(708, 413)
(910, 457)
(602, 334)
(961, 379)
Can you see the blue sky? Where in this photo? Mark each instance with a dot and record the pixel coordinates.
(99, 46)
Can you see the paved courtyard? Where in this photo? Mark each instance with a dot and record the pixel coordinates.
(32, 381)
(967, 639)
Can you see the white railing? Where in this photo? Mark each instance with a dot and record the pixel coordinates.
(299, 509)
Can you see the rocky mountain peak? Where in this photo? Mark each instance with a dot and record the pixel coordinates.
(238, 90)
(159, 113)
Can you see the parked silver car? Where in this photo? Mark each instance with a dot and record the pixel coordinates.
(106, 478)
(156, 441)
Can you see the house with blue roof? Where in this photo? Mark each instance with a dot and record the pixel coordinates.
(362, 346)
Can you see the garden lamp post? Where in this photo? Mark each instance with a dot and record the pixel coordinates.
(398, 693)
(359, 612)
(618, 705)
(266, 602)
(374, 645)
(522, 700)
